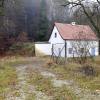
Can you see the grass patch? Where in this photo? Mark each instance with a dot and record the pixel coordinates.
(64, 72)
(30, 97)
(22, 48)
(8, 76)
(72, 72)
(44, 85)
(92, 83)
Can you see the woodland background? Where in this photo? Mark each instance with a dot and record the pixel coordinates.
(33, 20)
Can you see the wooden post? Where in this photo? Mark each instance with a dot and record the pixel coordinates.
(65, 52)
(52, 52)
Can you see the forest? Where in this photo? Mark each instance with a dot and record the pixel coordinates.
(33, 20)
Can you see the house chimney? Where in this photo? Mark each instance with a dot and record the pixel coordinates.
(73, 23)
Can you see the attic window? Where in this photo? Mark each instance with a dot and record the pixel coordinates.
(55, 35)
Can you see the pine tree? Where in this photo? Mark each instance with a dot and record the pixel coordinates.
(43, 22)
(1, 7)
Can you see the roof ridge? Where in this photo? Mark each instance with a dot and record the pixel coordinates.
(70, 24)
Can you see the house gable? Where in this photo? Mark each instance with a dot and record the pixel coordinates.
(56, 37)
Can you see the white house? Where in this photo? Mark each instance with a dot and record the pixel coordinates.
(66, 38)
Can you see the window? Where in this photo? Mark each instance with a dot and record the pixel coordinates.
(55, 35)
(70, 50)
(81, 50)
(93, 51)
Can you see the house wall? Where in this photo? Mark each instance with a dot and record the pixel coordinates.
(61, 46)
(91, 44)
(42, 49)
(54, 40)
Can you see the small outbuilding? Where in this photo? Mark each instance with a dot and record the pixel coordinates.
(68, 40)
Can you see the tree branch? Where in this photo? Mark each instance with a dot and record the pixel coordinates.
(98, 1)
(81, 4)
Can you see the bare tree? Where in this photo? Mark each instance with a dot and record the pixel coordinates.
(91, 9)
(82, 46)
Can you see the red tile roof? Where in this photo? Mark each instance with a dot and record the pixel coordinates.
(69, 31)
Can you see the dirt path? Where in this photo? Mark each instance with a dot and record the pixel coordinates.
(23, 90)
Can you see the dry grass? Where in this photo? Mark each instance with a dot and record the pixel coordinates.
(8, 78)
(8, 75)
(44, 85)
(72, 72)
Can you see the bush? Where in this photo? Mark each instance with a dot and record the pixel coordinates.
(23, 49)
(88, 69)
